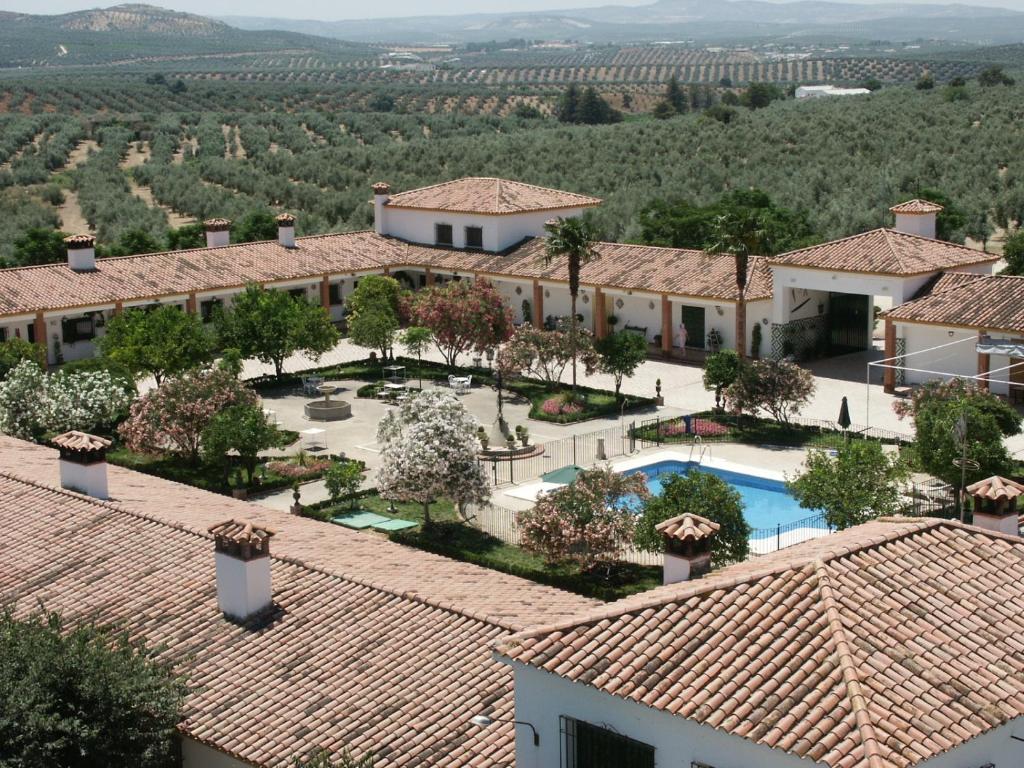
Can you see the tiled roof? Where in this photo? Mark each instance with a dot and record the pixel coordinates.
(916, 206)
(54, 286)
(946, 281)
(628, 267)
(619, 265)
(687, 527)
(996, 488)
(995, 302)
(368, 647)
(489, 196)
(884, 252)
(876, 647)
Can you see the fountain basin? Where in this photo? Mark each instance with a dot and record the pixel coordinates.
(328, 410)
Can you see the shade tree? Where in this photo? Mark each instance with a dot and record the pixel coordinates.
(157, 342)
(271, 325)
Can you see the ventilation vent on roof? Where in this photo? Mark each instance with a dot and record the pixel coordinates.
(83, 463)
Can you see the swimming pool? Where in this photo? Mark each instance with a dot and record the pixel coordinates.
(766, 502)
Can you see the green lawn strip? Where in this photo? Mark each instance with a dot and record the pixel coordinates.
(452, 538)
(750, 430)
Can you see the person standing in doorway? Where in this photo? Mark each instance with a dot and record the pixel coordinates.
(682, 338)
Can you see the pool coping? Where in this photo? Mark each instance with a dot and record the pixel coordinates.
(710, 462)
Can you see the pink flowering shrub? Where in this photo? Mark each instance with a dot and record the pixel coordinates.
(586, 522)
(560, 405)
(706, 428)
(171, 418)
(294, 471)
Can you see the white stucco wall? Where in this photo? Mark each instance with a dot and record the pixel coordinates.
(196, 755)
(500, 232)
(507, 289)
(898, 289)
(542, 698)
(957, 359)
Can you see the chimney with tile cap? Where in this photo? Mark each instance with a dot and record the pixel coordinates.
(81, 252)
(218, 232)
(83, 463)
(286, 230)
(242, 555)
(687, 547)
(916, 217)
(381, 195)
(995, 504)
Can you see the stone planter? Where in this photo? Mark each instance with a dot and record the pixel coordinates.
(240, 493)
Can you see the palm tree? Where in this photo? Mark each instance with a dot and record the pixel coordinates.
(741, 234)
(573, 239)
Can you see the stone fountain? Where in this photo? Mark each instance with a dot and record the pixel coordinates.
(327, 409)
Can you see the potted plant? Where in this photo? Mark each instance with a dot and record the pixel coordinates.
(613, 320)
(238, 490)
(511, 441)
(524, 435)
(658, 399)
(481, 435)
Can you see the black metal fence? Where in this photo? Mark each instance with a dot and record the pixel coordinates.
(765, 540)
(582, 450)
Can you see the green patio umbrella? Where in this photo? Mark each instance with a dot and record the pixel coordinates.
(844, 415)
(563, 475)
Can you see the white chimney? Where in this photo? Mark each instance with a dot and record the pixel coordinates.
(995, 504)
(218, 232)
(83, 463)
(81, 252)
(381, 195)
(916, 217)
(286, 230)
(687, 547)
(242, 554)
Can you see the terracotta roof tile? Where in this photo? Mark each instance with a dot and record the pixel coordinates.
(489, 196)
(916, 206)
(619, 265)
(995, 302)
(996, 488)
(877, 647)
(885, 252)
(687, 527)
(371, 646)
(55, 286)
(80, 441)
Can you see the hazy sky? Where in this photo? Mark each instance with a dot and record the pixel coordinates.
(330, 10)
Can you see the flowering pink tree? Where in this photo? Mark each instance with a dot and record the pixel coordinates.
(544, 354)
(171, 419)
(429, 451)
(587, 521)
(463, 315)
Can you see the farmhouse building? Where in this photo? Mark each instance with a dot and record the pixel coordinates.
(814, 301)
(890, 645)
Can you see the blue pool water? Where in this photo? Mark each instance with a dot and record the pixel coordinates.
(766, 503)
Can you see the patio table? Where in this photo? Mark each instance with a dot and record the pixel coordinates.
(314, 438)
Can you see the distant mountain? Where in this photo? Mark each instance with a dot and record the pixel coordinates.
(134, 32)
(679, 19)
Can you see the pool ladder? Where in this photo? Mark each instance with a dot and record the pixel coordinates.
(699, 441)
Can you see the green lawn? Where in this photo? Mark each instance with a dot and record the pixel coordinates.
(452, 538)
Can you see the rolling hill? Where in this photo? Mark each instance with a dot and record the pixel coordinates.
(127, 33)
(681, 19)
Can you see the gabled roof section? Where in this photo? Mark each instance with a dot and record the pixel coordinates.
(877, 647)
(884, 252)
(494, 197)
(987, 303)
(916, 207)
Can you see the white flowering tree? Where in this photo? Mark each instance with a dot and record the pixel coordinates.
(33, 402)
(429, 451)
